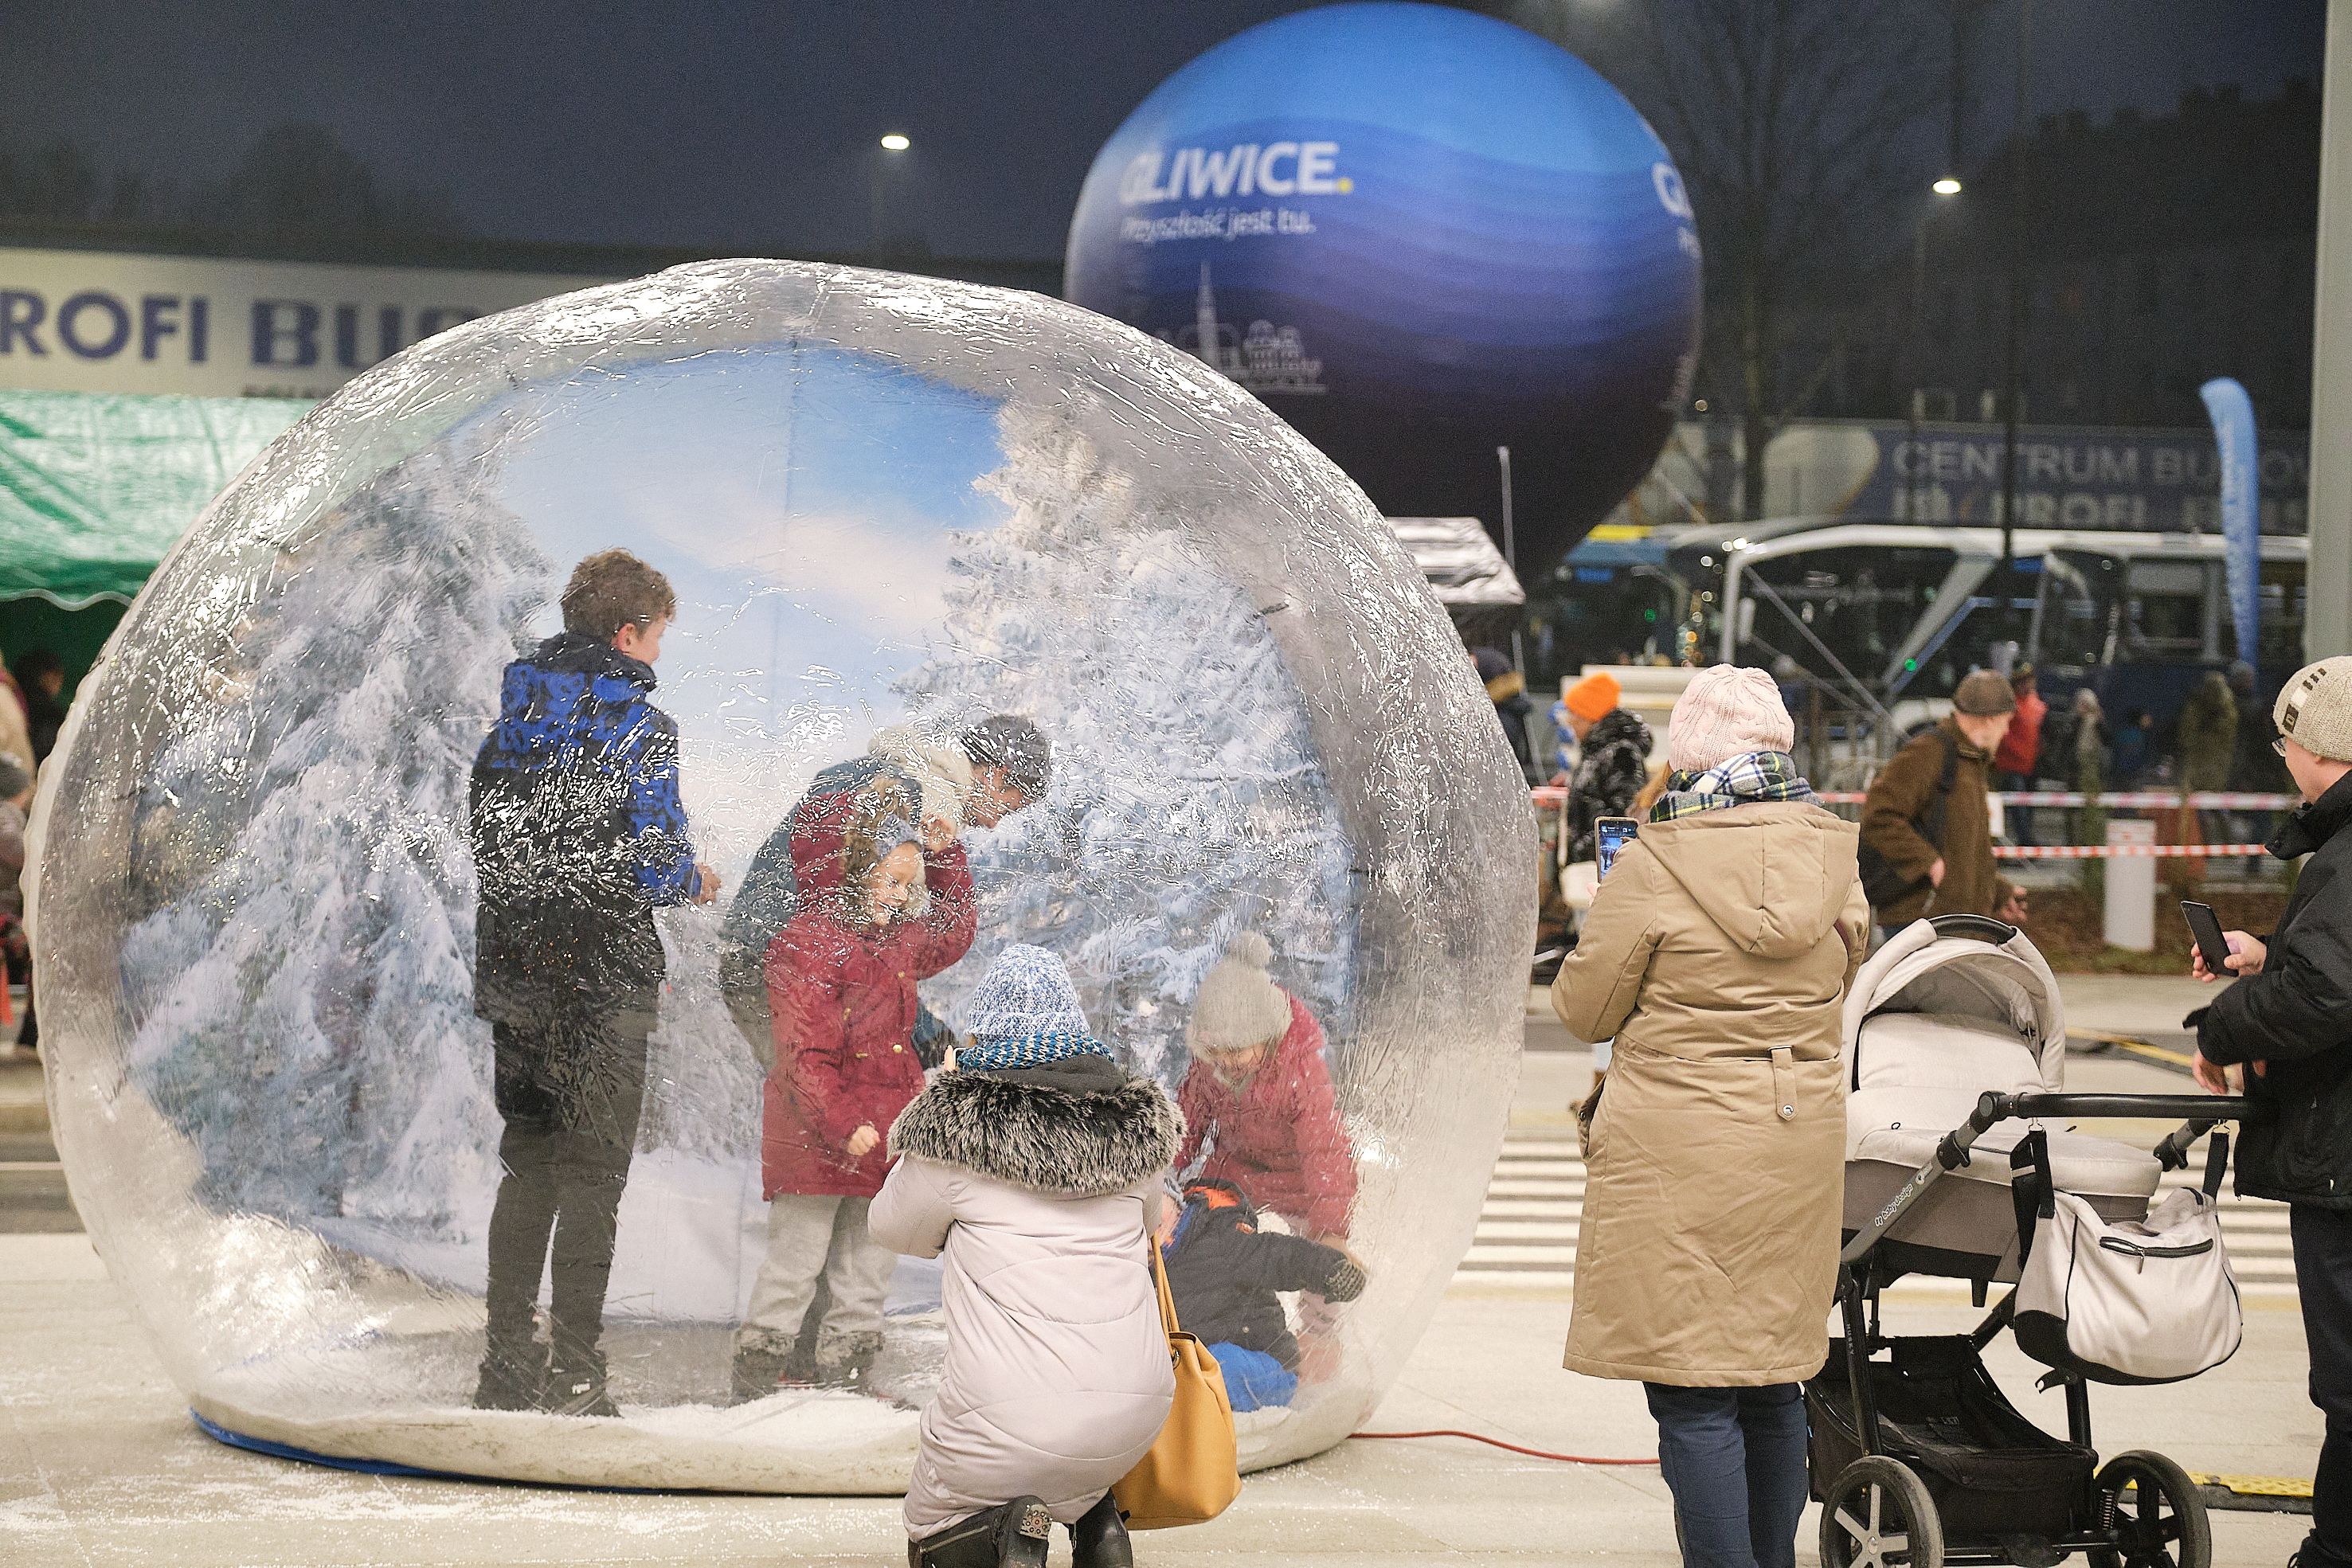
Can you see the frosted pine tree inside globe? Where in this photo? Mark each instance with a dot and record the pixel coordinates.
(887, 508)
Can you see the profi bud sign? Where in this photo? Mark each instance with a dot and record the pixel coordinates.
(98, 321)
(1247, 169)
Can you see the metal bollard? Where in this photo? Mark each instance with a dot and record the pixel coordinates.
(2131, 889)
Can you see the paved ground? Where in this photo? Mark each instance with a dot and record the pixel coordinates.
(32, 1184)
(100, 1464)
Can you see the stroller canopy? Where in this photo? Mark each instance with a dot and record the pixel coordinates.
(2006, 983)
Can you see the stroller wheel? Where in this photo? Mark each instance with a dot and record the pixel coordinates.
(2157, 1517)
(1877, 1514)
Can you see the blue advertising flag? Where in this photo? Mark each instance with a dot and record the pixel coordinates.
(2233, 431)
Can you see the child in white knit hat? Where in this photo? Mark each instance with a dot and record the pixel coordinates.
(1260, 1097)
(1258, 1085)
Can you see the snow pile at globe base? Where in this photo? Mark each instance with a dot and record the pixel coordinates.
(882, 500)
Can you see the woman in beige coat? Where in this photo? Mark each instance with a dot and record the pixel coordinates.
(1717, 952)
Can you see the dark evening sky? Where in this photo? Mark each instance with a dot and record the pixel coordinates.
(724, 125)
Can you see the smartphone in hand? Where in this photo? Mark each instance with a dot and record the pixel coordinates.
(1611, 834)
(2206, 927)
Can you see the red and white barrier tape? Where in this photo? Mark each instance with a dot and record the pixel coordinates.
(2106, 851)
(1552, 797)
(2203, 800)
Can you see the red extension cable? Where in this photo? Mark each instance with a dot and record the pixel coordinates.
(1513, 1448)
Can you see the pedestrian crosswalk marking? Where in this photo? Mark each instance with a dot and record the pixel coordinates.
(1527, 1229)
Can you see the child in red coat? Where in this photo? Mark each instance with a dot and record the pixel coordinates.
(1260, 1097)
(840, 987)
(1259, 1087)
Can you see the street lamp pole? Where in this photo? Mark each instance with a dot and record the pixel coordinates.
(885, 165)
(1510, 552)
(2015, 378)
(1947, 186)
(1918, 365)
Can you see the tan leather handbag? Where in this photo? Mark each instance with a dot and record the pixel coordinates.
(1192, 1474)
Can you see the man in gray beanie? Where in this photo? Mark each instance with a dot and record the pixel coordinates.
(2288, 1021)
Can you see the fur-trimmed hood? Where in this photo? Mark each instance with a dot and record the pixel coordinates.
(1046, 1139)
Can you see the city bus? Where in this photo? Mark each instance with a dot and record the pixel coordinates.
(1883, 612)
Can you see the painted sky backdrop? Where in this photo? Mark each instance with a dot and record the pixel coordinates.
(797, 500)
(714, 124)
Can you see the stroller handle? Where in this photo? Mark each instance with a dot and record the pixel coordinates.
(2205, 1109)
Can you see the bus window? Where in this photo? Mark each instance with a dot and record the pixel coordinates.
(1860, 601)
(2279, 646)
(2078, 610)
(2164, 615)
(1601, 614)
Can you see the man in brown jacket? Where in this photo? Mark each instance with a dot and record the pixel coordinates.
(1952, 872)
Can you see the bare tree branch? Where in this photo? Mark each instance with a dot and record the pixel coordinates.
(1796, 126)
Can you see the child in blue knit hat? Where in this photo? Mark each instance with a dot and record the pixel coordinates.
(1025, 1013)
(1034, 1167)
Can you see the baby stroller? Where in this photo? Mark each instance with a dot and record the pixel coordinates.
(1956, 1040)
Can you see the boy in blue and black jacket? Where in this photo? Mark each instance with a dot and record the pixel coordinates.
(1225, 1274)
(577, 837)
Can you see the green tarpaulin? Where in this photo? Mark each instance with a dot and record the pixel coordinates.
(95, 488)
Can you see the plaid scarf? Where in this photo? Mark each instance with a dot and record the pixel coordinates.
(1744, 781)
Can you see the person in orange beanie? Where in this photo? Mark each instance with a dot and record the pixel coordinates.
(1612, 758)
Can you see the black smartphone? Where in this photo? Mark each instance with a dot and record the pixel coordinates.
(2207, 928)
(1611, 834)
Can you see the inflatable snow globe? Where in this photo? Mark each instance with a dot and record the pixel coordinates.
(409, 1150)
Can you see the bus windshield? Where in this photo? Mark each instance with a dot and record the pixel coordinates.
(1856, 602)
(2076, 618)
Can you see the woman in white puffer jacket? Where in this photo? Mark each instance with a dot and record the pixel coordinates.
(1035, 1165)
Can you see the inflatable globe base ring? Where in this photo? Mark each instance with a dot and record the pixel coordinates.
(252, 1444)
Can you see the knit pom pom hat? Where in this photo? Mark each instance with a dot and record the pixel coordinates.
(1726, 712)
(1238, 1004)
(1025, 1013)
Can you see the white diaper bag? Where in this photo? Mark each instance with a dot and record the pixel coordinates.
(2148, 1300)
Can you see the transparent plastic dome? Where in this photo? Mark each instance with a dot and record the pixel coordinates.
(882, 502)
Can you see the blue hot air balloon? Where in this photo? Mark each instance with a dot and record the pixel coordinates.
(1419, 234)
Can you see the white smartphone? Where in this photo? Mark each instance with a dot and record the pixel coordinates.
(1611, 834)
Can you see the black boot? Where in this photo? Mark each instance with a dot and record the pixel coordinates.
(848, 1362)
(761, 1369)
(514, 1376)
(578, 1388)
(1012, 1535)
(1099, 1538)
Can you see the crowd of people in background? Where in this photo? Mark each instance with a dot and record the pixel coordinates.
(1725, 1057)
(32, 711)
(2218, 740)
